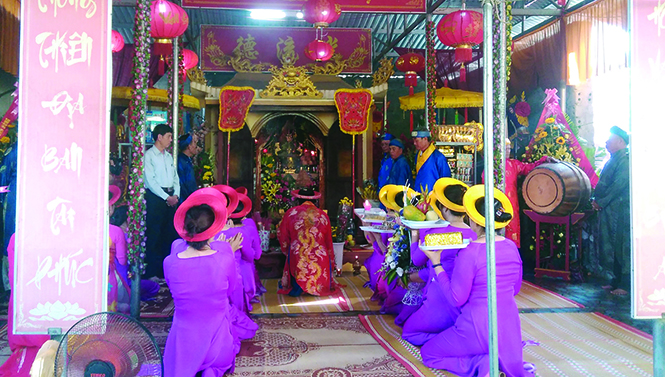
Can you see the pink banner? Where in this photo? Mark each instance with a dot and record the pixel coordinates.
(373, 6)
(61, 258)
(255, 49)
(10, 116)
(647, 200)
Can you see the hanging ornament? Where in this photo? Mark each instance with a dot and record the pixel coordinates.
(321, 13)
(168, 21)
(410, 64)
(117, 41)
(190, 59)
(462, 30)
(319, 50)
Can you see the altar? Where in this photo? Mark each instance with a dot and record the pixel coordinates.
(290, 143)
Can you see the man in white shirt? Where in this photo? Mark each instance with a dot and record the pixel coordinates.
(163, 188)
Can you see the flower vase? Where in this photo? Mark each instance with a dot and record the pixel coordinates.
(338, 248)
(264, 236)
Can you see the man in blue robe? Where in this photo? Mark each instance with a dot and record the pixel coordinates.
(612, 200)
(431, 164)
(400, 174)
(386, 161)
(188, 146)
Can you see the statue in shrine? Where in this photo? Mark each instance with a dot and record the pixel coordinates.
(288, 149)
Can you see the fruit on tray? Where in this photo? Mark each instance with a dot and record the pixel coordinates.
(414, 214)
(431, 216)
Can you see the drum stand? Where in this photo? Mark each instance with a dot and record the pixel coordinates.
(568, 221)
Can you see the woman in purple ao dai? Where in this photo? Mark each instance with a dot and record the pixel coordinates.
(436, 314)
(463, 349)
(200, 278)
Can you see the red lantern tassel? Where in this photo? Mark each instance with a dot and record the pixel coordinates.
(161, 67)
(462, 74)
(463, 54)
(410, 121)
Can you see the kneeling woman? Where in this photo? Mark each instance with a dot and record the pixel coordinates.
(463, 348)
(200, 279)
(436, 314)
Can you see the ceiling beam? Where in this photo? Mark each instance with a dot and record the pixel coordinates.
(406, 31)
(516, 11)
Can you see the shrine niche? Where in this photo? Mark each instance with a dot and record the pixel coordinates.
(289, 156)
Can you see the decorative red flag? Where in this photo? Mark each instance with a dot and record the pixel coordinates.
(234, 104)
(354, 107)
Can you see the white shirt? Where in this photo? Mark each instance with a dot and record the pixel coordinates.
(159, 172)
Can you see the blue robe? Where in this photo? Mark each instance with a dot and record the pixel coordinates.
(187, 178)
(384, 172)
(400, 174)
(434, 168)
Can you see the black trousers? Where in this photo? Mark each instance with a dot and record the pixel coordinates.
(160, 234)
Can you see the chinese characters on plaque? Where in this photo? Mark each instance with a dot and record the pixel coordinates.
(62, 200)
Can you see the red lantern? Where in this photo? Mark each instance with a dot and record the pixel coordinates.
(117, 41)
(168, 21)
(190, 59)
(319, 50)
(321, 13)
(410, 64)
(462, 30)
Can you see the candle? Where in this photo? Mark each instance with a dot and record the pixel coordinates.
(367, 205)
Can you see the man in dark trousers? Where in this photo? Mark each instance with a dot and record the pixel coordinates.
(162, 192)
(612, 200)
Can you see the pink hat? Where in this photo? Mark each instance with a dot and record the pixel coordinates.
(308, 194)
(231, 197)
(210, 196)
(246, 207)
(241, 190)
(116, 193)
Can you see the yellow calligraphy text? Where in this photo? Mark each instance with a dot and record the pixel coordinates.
(90, 6)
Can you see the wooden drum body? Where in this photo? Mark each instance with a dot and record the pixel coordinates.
(556, 189)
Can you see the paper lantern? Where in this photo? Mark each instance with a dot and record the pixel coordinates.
(190, 59)
(319, 50)
(117, 41)
(168, 21)
(321, 13)
(462, 30)
(410, 64)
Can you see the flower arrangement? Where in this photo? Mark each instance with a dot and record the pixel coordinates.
(203, 169)
(368, 190)
(137, 126)
(550, 139)
(344, 216)
(431, 75)
(275, 187)
(397, 263)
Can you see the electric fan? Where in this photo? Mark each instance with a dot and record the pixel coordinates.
(108, 345)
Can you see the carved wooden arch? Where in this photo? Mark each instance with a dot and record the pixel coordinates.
(322, 125)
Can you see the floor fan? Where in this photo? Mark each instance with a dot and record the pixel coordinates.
(108, 345)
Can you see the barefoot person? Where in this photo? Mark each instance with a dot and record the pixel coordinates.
(612, 200)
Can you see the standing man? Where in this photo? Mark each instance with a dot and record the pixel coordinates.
(305, 236)
(386, 161)
(431, 164)
(163, 189)
(187, 144)
(400, 174)
(612, 200)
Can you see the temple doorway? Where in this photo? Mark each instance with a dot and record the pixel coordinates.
(288, 156)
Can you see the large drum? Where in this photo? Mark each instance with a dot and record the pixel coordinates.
(556, 189)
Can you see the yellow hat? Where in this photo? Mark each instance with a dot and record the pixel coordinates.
(389, 195)
(383, 195)
(440, 188)
(432, 199)
(478, 192)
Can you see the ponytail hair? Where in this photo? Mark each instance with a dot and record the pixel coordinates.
(197, 220)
